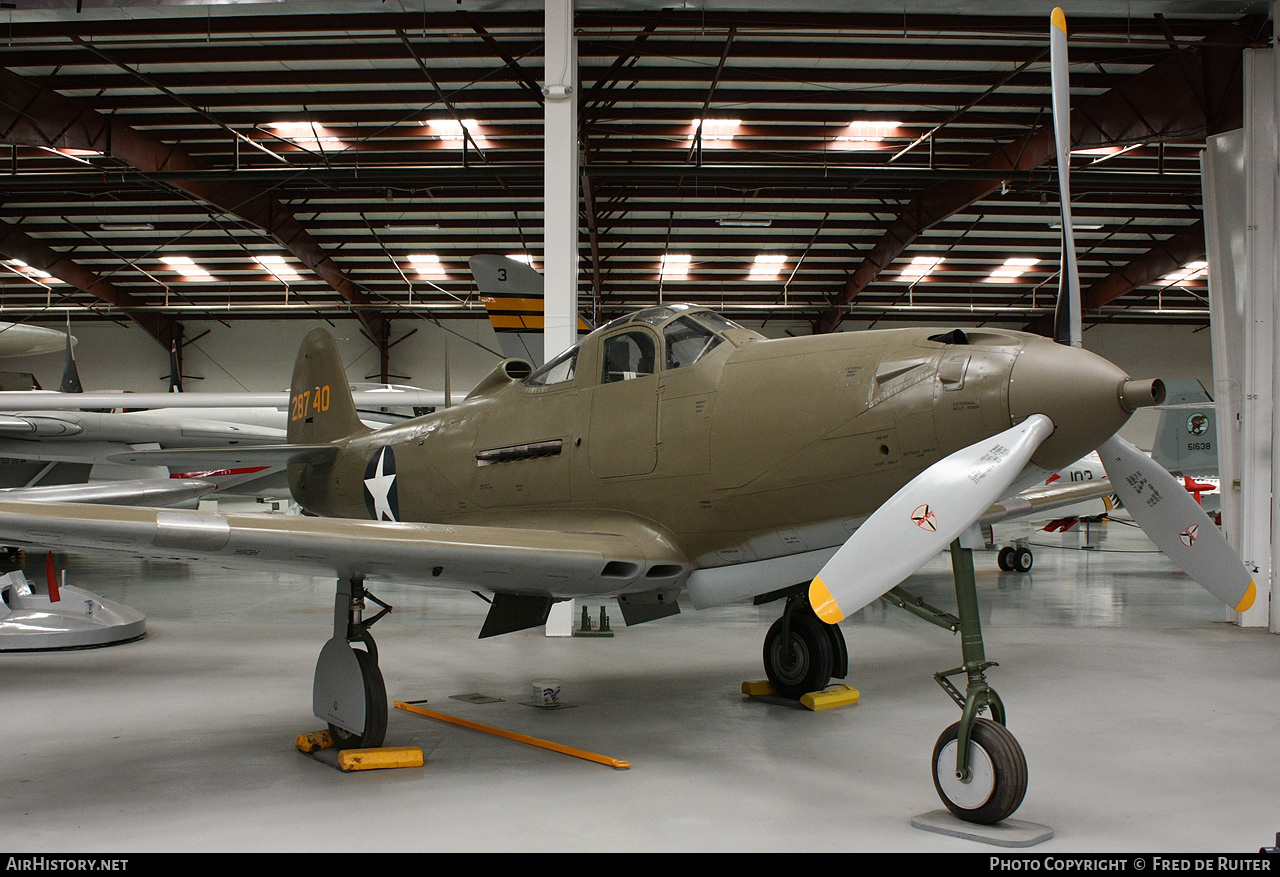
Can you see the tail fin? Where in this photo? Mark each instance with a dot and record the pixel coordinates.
(320, 404)
(70, 376)
(512, 295)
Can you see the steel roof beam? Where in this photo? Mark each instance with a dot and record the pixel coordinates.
(34, 116)
(1140, 107)
(17, 244)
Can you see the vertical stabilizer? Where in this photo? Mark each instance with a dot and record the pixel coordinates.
(320, 404)
(70, 376)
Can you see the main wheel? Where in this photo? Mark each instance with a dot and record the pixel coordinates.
(997, 773)
(802, 662)
(1004, 559)
(375, 709)
(1022, 560)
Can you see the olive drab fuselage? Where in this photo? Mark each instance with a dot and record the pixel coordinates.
(759, 448)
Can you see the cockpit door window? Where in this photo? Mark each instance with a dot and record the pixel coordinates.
(628, 356)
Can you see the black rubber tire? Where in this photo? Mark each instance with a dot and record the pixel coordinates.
(1004, 559)
(807, 665)
(375, 709)
(1022, 560)
(1009, 766)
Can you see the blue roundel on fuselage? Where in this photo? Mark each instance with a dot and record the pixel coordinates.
(380, 498)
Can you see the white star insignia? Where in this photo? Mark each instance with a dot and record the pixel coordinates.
(379, 487)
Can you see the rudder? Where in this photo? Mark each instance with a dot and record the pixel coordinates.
(320, 405)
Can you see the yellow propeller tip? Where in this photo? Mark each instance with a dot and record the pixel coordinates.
(1245, 602)
(1059, 19)
(824, 605)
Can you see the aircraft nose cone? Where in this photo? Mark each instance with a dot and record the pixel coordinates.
(1088, 398)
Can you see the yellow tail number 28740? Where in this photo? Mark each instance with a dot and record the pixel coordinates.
(308, 402)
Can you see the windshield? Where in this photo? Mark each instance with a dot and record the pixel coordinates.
(557, 371)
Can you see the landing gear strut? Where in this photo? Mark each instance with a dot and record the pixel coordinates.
(802, 653)
(979, 769)
(348, 691)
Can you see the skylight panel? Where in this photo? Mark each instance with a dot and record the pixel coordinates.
(675, 266)
(186, 267)
(767, 267)
(919, 268)
(281, 269)
(1011, 270)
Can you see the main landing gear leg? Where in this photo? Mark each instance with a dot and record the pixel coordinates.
(979, 769)
(348, 691)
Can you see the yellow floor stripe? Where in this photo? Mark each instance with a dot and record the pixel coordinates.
(519, 738)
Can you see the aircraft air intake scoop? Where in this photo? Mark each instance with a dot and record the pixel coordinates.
(1141, 394)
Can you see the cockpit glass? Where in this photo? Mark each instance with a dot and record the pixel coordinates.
(715, 321)
(557, 371)
(658, 315)
(687, 342)
(628, 356)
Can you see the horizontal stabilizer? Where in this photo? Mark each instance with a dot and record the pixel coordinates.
(139, 492)
(228, 458)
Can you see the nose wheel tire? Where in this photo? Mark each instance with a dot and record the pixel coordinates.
(801, 662)
(997, 780)
(375, 709)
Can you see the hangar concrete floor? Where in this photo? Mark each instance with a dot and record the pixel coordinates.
(1149, 724)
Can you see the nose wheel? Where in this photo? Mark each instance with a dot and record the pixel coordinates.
(995, 782)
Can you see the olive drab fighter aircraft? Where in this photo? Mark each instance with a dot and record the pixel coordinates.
(672, 453)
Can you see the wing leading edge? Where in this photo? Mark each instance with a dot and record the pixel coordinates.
(553, 563)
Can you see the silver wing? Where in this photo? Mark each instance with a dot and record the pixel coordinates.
(622, 556)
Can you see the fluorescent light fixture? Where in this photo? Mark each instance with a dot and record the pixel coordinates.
(430, 226)
(1011, 270)
(716, 133)
(185, 267)
(307, 135)
(1086, 224)
(281, 269)
(675, 266)
(920, 266)
(767, 267)
(449, 131)
(427, 265)
(126, 226)
(521, 257)
(744, 223)
(1189, 271)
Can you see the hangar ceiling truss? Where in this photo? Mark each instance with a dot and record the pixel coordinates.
(816, 169)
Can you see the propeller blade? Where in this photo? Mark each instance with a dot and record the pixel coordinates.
(1067, 321)
(1177, 523)
(922, 518)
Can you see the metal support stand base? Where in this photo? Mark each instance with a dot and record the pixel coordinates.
(1009, 833)
(80, 620)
